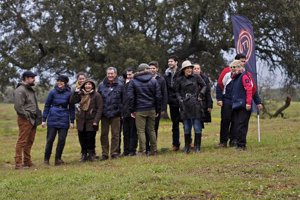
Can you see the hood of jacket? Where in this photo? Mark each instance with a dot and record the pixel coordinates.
(143, 76)
(88, 80)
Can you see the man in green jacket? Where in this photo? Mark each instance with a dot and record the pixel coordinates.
(28, 118)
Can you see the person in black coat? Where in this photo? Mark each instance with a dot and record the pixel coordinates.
(129, 128)
(170, 76)
(145, 104)
(111, 90)
(190, 90)
(207, 102)
(153, 68)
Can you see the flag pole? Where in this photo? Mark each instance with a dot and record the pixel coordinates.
(258, 126)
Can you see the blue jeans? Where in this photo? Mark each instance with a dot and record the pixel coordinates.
(189, 123)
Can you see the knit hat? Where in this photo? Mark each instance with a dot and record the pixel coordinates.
(63, 78)
(142, 67)
(186, 64)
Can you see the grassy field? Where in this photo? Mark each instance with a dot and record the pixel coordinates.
(267, 170)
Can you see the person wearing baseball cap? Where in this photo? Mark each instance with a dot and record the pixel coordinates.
(145, 105)
(26, 106)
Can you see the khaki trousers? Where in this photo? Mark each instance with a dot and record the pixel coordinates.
(140, 120)
(114, 123)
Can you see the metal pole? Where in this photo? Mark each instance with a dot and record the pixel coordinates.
(258, 126)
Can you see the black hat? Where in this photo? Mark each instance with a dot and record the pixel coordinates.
(63, 78)
(155, 63)
(28, 74)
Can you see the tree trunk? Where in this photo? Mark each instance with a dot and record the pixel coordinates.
(285, 106)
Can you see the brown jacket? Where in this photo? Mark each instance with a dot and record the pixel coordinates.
(25, 102)
(92, 115)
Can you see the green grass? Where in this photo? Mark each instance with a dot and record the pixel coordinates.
(267, 170)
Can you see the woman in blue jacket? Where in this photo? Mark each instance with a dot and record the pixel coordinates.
(59, 114)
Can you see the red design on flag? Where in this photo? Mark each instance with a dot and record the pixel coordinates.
(245, 44)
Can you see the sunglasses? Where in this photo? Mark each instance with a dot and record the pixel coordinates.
(233, 67)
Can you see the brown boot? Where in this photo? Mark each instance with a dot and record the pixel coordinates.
(19, 166)
(175, 148)
(59, 162)
(46, 162)
(28, 164)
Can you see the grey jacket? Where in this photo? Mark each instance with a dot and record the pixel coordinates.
(25, 102)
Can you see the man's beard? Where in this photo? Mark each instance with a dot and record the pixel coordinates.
(31, 84)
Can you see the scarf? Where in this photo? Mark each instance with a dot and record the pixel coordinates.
(85, 100)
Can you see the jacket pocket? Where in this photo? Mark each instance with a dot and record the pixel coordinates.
(239, 103)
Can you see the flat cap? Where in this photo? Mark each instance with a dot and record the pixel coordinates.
(142, 67)
(28, 74)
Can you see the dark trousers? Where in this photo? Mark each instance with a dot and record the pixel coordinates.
(241, 119)
(51, 134)
(156, 125)
(226, 124)
(120, 135)
(130, 137)
(87, 140)
(175, 117)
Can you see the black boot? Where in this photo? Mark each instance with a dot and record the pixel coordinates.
(187, 143)
(198, 142)
(84, 157)
(91, 155)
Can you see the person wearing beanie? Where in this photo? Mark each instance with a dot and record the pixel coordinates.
(58, 115)
(88, 117)
(224, 99)
(26, 107)
(63, 78)
(190, 90)
(144, 105)
(111, 90)
(243, 91)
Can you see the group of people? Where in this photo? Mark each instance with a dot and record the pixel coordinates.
(133, 104)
